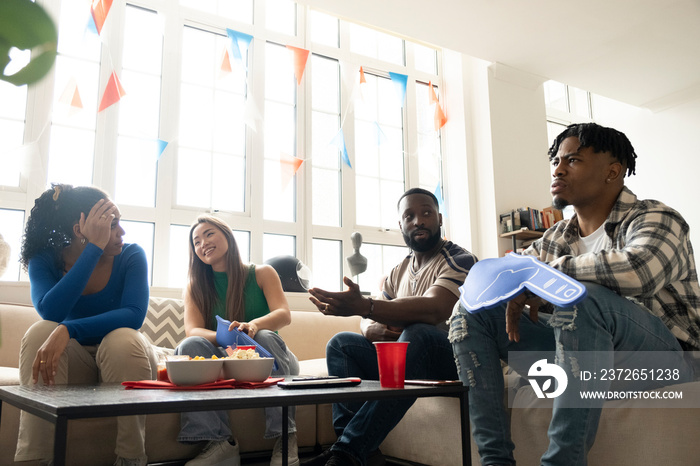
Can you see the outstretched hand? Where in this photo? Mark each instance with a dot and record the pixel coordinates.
(340, 303)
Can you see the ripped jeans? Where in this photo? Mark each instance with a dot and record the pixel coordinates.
(604, 322)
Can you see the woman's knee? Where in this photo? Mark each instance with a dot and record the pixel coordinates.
(268, 338)
(125, 342)
(37, 334)
(196, 346)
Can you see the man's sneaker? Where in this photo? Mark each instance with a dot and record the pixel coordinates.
(217, 454)
(143, 461)
(340, 458)
(319, 460)
(293, 452)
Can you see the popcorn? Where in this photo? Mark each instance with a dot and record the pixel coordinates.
(243, 354)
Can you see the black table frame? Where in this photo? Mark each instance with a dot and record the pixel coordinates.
(59, 404)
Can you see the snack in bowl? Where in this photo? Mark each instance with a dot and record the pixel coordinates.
(194, 371)
(255, 369)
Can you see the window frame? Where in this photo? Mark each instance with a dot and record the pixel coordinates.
(165, 212)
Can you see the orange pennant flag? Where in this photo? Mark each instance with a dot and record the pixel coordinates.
(432, 97)
(76, 101)
(362, 76)
(99, 10)
(113, 92)
(440, 118)
(71, 96)
(300, 57)
(226, 63)
(288, 168)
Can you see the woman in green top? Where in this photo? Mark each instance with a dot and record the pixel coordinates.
(251, 297)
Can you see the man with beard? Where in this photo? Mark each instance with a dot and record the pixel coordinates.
(636, 261)
(417, 298)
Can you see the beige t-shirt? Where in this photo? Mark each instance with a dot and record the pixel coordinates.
(447, 268)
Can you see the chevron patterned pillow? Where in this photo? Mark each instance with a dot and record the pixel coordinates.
(164, 325)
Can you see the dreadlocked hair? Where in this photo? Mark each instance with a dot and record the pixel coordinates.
(600, 139)
(51, 220)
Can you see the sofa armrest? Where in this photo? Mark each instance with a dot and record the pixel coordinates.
(15, 320)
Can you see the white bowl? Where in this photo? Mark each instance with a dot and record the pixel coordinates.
(194, 371)
(248, 370)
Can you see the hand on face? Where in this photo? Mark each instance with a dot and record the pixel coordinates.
(97, 226)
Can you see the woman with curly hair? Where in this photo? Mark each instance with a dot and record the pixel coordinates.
(91, 291)
(252, 298)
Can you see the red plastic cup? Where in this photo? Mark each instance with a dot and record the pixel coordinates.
(391, 357)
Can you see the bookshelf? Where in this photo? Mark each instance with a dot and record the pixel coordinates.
(521, 235)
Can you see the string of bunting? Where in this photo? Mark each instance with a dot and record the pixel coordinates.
(235, 55)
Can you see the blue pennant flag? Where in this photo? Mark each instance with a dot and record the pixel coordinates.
(339, 141)
(399, 81)
(239, 43)
(161, 147)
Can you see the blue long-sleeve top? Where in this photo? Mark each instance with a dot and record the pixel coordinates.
(123, 302)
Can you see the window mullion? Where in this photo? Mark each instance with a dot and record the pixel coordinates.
(256, 153)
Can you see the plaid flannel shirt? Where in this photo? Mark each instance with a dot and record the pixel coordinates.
(648, 259)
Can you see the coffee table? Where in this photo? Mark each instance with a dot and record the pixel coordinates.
(58, 404)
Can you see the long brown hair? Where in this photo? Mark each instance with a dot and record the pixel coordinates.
(201, 286)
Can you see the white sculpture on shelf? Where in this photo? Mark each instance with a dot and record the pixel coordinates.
(357, 262)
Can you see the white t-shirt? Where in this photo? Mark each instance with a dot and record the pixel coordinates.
(595, 242)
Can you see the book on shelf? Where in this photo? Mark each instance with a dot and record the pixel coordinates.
(550, 216)
(510, 222)
(531, 219)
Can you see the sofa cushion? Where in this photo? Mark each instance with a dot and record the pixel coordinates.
(9, 376)
(165, 322)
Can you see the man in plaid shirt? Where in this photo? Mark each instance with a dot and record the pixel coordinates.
(636, 261)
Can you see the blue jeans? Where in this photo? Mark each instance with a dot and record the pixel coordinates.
(603, 322)
(214, 425)
(361, 427)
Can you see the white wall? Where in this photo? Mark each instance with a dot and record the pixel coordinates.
(668, 163)
(504, 124)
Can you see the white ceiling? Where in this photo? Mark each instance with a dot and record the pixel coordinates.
(642, 52)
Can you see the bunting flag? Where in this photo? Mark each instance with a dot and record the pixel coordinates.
(339, 141)
(440, 118)
(90, 26)
(71, 97)
(432, 98)
(161, 147)
(300, 57)
(225, 66)
(289, 165)
(251, 114)
(381, 137)
(239, 43)
(400, 81)
(99, 10)
(438, 195)
(113, 92)
(362, 76)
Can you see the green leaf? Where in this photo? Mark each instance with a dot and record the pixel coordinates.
(26, 25)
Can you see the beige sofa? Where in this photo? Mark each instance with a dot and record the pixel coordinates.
(428, 434)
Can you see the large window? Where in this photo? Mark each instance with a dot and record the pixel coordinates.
(295, 127)
(565, 105)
